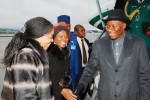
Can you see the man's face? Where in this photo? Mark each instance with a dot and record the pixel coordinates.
(115, 29)
(68, 26)
(80, 32)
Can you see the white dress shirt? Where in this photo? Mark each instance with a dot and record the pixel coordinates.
(86, 48)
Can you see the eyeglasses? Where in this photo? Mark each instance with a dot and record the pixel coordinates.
(114, 27)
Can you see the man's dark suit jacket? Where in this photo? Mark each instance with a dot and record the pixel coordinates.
(127, 80)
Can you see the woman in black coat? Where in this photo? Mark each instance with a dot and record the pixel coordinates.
(59, 55)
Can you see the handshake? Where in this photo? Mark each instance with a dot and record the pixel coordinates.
(79, 90)
(66, 82)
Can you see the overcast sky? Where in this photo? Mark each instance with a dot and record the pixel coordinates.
(14, 13)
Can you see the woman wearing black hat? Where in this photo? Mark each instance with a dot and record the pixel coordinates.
(59, 55)
(27, 66)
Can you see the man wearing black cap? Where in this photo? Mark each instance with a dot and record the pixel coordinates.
(123, 62)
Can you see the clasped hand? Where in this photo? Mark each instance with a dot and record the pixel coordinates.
(68, 94)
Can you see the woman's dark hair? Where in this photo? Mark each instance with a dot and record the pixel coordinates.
(34, 28)
(18, 41)
(37, 27)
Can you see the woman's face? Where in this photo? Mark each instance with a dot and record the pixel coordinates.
(46, 40)
(61, 39)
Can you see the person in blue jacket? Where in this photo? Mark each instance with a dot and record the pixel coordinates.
(78, 58)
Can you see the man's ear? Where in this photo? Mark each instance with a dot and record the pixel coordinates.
(124, 25)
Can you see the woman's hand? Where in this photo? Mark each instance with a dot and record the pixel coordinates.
(67, 94)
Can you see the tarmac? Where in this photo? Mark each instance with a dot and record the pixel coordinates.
(3, 43)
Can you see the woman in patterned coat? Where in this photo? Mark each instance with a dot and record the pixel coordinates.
(27, 66)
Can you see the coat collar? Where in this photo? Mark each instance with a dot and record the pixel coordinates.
(128, 42)
(60, 54)
(39, 50)
(109, 52)
(126, 50)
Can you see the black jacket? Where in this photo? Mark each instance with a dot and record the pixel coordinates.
(59, 67)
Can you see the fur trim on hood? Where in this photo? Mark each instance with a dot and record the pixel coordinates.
(60, 54)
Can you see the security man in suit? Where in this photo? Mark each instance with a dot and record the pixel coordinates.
(79, 47)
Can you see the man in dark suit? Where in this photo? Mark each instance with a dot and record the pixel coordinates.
(79, 57)
(123, 61)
